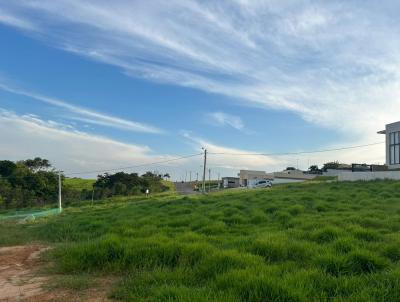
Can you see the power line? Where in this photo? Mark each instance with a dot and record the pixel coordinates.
(211, 153)
(33, 175)
(296, 153)
(135, 166)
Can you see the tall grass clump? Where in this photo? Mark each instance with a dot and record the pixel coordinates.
(280, 248)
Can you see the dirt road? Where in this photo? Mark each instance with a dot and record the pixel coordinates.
(185, 188)
(19, 281)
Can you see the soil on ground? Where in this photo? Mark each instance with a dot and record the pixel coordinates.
(20, 281)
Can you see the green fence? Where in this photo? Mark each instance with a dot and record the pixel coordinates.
(28, 215)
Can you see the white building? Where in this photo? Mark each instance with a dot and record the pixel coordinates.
(230, 182)
(293, 174)
(392, 134)
(248, 178)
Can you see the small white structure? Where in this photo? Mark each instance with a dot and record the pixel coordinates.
(392, 134)
(293, 175)
(230, 182)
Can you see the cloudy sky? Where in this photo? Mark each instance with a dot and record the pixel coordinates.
(93, 86)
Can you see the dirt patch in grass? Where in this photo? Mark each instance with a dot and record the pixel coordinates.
(16, 266)
(19, 280)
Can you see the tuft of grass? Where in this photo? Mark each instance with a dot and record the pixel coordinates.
(77, 282)
(255, 286)
(360, 262)
(279, 249)
(326, 234)
(392, 251)
(296, 209)
(366, 235)
(344, 245)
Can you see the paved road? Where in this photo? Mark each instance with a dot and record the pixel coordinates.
(185, 188)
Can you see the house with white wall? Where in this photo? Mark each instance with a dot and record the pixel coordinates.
(392, 135)
(247, 178)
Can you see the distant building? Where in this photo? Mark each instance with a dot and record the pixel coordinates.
(293, 174)
(230, 182)
(392, 134)
(247, 178)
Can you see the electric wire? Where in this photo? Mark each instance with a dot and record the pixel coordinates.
(212, 153)
(134, 166)
(295, 153)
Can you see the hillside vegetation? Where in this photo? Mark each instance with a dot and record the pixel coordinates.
(79, 184)
(33, 183)
(299, 242)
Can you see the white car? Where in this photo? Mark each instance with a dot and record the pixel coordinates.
(263, 184)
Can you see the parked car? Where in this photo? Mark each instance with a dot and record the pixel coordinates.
(263, 184)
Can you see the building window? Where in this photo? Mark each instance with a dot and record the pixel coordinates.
(394, 148)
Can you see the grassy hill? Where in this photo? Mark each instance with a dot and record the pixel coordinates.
(299, 242)
(79, 183)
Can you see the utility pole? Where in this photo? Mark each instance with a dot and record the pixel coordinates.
(204, 170)
(209, 180)
(59, 191)
(197, 176)
(92, 195)
(190, 176)
(219, 185)
(185, 175)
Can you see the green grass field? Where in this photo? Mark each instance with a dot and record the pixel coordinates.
(300, 242)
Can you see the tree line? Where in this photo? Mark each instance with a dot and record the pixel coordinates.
(124, 184)
(34, 182)
(27, 183)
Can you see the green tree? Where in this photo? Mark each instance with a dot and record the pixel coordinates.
(330, 165)
(314, 169)
(37, 164)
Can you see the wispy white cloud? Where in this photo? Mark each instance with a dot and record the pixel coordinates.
(69, 149)
(86, 115)
(228, 158)
(8, 19)
(224, 119)
(336, 64)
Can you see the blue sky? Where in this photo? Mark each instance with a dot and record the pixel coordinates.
(92, 86)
